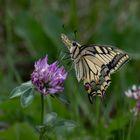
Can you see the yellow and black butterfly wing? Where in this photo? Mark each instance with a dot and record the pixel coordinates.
(99, 55)
(95, 66)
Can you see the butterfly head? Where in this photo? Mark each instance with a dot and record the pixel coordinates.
(69, 43)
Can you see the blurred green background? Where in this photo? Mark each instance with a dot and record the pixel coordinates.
(30, 29)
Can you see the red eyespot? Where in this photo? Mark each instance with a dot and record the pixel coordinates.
(87, 86)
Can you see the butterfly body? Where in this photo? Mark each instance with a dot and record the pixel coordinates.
(94, 64)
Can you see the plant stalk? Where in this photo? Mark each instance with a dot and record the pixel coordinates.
(42, 117)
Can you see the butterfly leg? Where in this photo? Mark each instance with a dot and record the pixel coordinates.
(90, 98)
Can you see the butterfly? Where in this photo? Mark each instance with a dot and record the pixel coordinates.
(94, 64)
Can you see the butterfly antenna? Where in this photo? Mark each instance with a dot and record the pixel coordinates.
(63, 27)
(75, 34)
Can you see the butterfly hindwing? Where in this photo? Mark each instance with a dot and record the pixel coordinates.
(99, 62)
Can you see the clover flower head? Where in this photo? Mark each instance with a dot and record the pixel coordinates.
(134, 93)
(48, 79)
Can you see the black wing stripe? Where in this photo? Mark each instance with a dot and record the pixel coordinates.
(105, 50)
(112, 54)
(93, 62)
(87, 69)
(100, 60)
(102, 49)
(114, 61)
(77, 61)
(124, 61)
(96, 69)
(96, 75)
(90, 70)
(85, 47)
(103, 58)
(97, 49)
(109, 57)
(74, 51)
(84, 69)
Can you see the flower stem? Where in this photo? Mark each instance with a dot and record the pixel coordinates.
(42, 109)
(42, 117)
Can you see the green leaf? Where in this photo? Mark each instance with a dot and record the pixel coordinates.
(15, 92)
(20, 90)
(68, 125)
(62, 98)
(55, 125)
(50, 118)
(27, 98)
